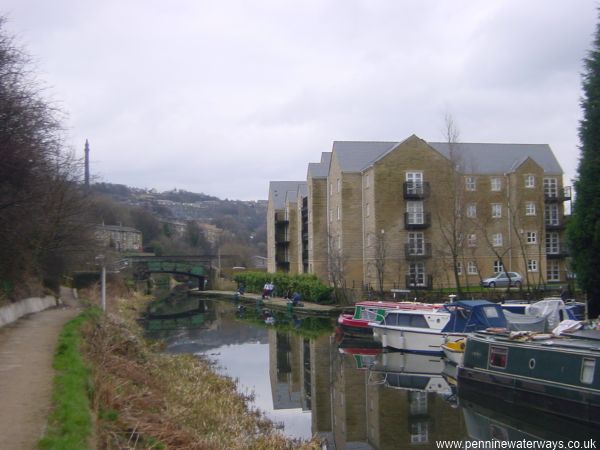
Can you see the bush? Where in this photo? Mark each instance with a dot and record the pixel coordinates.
(308, 285)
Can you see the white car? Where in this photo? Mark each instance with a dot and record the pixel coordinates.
(503, 279)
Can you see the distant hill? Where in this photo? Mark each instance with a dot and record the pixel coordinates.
(243, 220)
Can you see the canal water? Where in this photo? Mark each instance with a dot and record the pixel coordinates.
(312, 381)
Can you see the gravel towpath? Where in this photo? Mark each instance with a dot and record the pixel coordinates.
(26, 352)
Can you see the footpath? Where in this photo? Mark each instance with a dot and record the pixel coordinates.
(26, 352)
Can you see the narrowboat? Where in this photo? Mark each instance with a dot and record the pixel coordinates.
(356, 322)
(556, 375)
(424, 330)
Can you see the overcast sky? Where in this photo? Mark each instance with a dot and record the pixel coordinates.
(222, 96)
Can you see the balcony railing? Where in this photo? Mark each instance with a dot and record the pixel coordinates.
(412, 251)
(553, 225)
(281, 218)
(416, 220)
(558, 195)
(419, 281)
(416, 189)
(558, 253)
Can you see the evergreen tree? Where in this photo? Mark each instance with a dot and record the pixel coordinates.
(584, 228)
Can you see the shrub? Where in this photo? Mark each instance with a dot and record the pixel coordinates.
(308, 285)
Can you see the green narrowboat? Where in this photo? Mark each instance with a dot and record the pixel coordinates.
(556, 375)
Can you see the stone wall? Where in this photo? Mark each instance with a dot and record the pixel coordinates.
(14, 311)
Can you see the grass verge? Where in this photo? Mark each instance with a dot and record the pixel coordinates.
(70, 422)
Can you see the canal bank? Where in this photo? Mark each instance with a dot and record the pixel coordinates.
(274, 303)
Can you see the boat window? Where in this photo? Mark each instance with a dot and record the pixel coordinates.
(391, 319)
(404, 320)
(490, 312)
(588, 366)
(418, 321)
(498, 357)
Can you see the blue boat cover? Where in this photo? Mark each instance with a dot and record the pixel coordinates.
(467, 316)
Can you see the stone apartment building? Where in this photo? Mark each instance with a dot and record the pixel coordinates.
(119, 238)
(405, 214)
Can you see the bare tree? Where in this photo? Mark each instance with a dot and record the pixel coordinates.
(378, 249)
(337, 269)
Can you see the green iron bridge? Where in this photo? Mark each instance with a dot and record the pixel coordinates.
(199, 267)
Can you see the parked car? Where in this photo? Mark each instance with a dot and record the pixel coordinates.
(503, 279)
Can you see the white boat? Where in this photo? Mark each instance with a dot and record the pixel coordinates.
(410, 371)
(425, 330)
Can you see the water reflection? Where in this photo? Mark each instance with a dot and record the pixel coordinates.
(347, 391)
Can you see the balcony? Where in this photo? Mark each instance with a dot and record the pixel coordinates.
(416, 190)
(281, 218)
(417, 252)
(555, 225)
(558, 196)
(417, 220)
(419, 282)
(558, 253)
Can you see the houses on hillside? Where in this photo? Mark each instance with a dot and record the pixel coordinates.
(417, 214)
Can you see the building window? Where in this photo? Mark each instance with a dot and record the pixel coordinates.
(551, 215)
(530, 209)
(472, 240)
(532, 265)
(459, 269)
(471, 210)
(498, 267)
(339, 243)
(529, 181)
(414, 182)
(497, 240)
(415, 213)
(331, 215)
(472, 268)
(470, 183)
(368, 210)
(552, 243)
(367, 181)
(339, 213)
(416, 244)
(331, 189)
(550, 187)
(496, 183)
(496, 210)
(553, 270)
(338, 185)
(416, 274)
(531, 237)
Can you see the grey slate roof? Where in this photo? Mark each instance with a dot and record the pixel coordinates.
(501, 158)
(320, 169)
(278, 191)
(355, 156)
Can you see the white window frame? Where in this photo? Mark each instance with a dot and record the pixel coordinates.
(459, 268)
(496, 210)
(497, 266)
(418, 270)
(496, 184)
(472, 268)
(552, 243)
(551, 215)
(530, 209)
(470, 184)
(415, 215)
(339, 183)
(416, 243)
(368, 210)
(532, 265)
(529, 181)
(472, 210)
(531, 237)
(367, 180)
(550, 187)
(497, 240)
(553, 270)
(339, 213)
(472, 240)
(414, 180)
